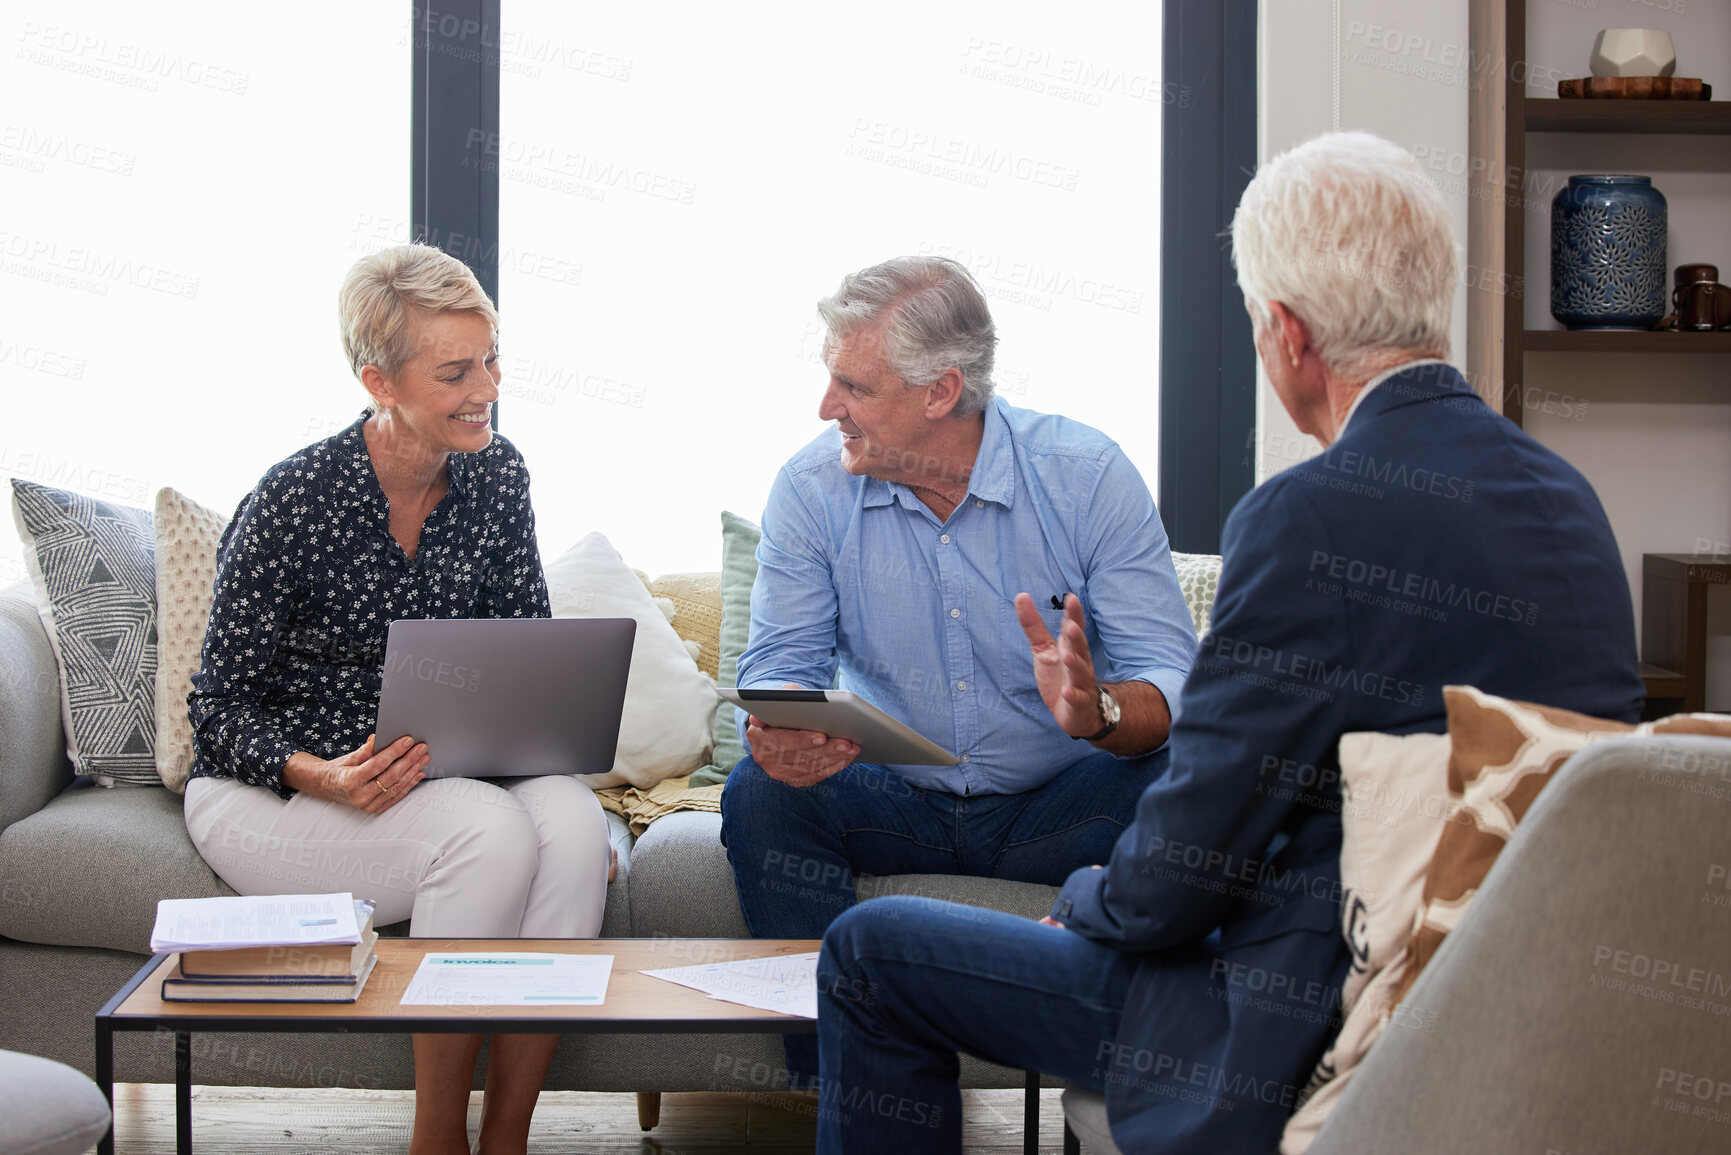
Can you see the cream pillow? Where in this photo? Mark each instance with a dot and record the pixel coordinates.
(1396, 802)
(187, 535)
(668, 700)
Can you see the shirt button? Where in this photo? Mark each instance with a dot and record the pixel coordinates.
(967, 758)
(961, 685)
(955, 613)
(945, 539)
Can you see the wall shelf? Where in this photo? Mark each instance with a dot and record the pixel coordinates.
(1688, 117)
(1500, 116)
(1622, 341)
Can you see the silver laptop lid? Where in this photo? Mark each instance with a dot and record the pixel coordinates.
(507, 697)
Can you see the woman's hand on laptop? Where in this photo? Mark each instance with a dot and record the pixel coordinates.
(797, 757)
(368, 781)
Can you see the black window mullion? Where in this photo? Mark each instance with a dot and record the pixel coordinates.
(1207, 359)
(455, 145)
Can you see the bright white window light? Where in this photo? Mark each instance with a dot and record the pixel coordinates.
(679, 186)
(184, 187)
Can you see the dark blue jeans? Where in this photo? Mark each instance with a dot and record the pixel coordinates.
(795, 850)
(904, 983)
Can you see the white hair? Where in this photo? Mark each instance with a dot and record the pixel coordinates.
(1346, 232)
(935, 318)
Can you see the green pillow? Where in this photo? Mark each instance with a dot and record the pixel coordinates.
(739, 539)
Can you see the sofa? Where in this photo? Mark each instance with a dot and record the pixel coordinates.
(82, 868)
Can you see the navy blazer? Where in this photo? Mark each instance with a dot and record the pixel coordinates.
(1433, 544)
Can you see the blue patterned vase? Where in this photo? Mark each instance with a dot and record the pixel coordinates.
(1608, 260)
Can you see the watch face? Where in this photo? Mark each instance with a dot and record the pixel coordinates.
(1109, 710)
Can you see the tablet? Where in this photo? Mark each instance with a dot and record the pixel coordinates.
(840, 714)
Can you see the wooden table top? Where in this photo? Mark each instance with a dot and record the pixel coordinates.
(634, 1001)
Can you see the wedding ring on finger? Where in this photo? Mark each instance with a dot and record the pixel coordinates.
(383, 789)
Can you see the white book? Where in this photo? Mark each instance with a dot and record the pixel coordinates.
(259, 920)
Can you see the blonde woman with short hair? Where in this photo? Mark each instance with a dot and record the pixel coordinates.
(416, 510)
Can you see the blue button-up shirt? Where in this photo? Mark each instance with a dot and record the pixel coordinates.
(918, 615)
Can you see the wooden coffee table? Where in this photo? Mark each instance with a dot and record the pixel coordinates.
(635, 1003)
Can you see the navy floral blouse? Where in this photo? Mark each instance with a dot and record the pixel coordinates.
(309, 579)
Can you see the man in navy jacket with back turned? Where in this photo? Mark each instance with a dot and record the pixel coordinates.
(1195, 976)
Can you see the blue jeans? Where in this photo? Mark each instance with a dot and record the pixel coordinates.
(904, 983)
(795, 850)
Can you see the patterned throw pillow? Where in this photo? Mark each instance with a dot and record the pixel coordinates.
(1503, 753)
(91, 563)
(1199, 578)
(1497, 757)
(187, 535)
(696, 599)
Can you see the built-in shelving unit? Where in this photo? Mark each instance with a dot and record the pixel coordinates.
(1501, 116)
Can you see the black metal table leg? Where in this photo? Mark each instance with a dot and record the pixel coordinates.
(105, 1081)
(183, 1092)
(1072, 1144)
(1031, 1115)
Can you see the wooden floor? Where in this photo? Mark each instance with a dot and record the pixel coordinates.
(271, 1121)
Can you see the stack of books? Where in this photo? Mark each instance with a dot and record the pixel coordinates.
(267, 949)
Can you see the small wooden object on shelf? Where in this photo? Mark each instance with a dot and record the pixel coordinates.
(1634, 88)
(1674, 628)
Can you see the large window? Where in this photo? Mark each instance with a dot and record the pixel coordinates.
(184, 186)
(678, 187)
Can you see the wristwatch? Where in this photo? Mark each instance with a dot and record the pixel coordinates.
(1109, 714)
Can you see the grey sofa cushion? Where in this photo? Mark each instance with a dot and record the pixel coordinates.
(33, 765)
(47, 1108)
(682, 885)
(88, 868)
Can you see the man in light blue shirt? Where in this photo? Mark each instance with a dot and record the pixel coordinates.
(995, 578)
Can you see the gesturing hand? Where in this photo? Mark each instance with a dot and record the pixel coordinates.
(1063, 667)
(369, 782)
(797, 757)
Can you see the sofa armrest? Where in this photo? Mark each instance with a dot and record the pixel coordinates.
(33, 765)
(1584, 1001)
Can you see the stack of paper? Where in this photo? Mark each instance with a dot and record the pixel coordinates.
(314, 948)
(261, 920)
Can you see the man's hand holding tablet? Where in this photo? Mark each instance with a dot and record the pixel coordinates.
(797, 757)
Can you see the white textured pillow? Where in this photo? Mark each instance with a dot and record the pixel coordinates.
(1396, 803)
(187, 535)
(668, 701)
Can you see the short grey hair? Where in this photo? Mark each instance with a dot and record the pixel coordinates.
(1347, 232)
(385, 293)
(934, 316)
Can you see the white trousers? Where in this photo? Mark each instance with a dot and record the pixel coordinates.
(458, 857)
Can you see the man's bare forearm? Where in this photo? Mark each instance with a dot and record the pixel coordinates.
(1145, 720)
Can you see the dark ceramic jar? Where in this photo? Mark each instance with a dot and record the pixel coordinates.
(1608, 259)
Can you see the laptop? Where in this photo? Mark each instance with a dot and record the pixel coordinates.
(507, 697)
